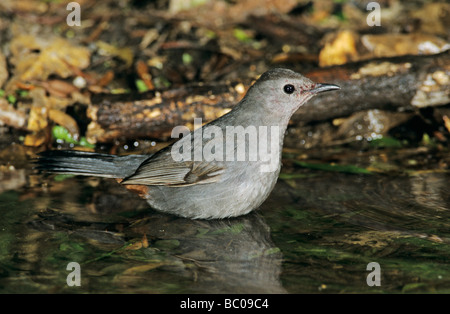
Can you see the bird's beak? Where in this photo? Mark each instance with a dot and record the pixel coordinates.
(321, 87)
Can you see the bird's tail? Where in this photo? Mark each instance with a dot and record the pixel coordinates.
(88, 163)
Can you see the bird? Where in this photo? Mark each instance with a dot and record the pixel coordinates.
(226, 168)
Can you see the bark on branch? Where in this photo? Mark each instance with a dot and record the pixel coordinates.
(400, 84)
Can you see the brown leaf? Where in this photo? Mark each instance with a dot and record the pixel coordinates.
(59, 88)
(139, 244)
(143, 73)
(36, 58)
(35, 139)
(135, 246)
(446, 122)
(144, 241)
(105, 79)
(391, 45)
(340, 50)
(125, 53)
(142, 268)
(10, 116)
(63, 119)
(37, 119)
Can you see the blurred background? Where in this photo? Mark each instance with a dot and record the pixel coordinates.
(365, 170)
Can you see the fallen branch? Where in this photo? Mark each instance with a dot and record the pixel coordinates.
(400, 84)
(155, 114)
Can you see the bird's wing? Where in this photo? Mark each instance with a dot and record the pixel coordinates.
(162, 169)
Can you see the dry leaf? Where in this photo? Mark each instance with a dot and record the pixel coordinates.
(144, 241)
(10, 116)
(105, 79)
(126, 54)
(434, 18)
(340, 50)
(142, 71)
(391, 45)
(63, 119)
(59, 88)
(142, 268)
(35, 139)
(446, 122)
(138, 244)
(135, 246)
(37, 119)
(36, 58)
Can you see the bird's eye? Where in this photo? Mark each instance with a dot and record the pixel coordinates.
(289, 88)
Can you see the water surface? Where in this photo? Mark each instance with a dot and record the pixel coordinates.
(316, 233)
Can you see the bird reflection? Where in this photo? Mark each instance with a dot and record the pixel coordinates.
(215, 256)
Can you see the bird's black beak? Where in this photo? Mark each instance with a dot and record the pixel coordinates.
(321, 87)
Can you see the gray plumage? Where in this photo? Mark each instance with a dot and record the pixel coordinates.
(207, 189)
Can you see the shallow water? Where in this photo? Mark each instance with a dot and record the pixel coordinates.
(315, 234)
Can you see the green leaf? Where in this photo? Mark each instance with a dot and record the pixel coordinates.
(61, 133)
(116, 91)
(210, 34)
(187, 58)
(428, 141)
(71, 246)
(141, 87)
(62, 177)
(84, 142)
(241, 35)
(11, 99)
(22, 93)
(386, 142)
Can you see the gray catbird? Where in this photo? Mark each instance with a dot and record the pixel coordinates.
(224, 169)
